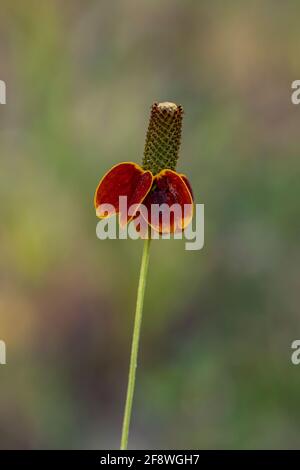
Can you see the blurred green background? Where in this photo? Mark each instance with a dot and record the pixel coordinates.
(214, 364)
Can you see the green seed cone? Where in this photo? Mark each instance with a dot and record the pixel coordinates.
(163, 137)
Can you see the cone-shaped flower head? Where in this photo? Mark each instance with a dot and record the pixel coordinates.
(156, 182)
(163, 137)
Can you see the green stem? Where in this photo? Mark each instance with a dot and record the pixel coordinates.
(135, 343)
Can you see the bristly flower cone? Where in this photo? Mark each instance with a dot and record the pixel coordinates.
(163, 137)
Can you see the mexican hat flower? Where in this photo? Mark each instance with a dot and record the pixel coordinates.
(156, 182)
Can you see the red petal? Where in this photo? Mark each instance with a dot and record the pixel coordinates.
(188, 184)
(170, 188)
(125, 179)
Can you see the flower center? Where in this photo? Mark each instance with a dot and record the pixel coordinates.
(163, 137)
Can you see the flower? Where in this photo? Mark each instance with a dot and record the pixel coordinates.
(155, 182)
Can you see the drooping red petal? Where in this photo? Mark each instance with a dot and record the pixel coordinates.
(188, 184)
(169, 191)
(125, 179)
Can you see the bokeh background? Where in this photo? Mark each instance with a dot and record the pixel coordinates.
(214, 364)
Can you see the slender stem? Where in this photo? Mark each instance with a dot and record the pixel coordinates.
(135, 343)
